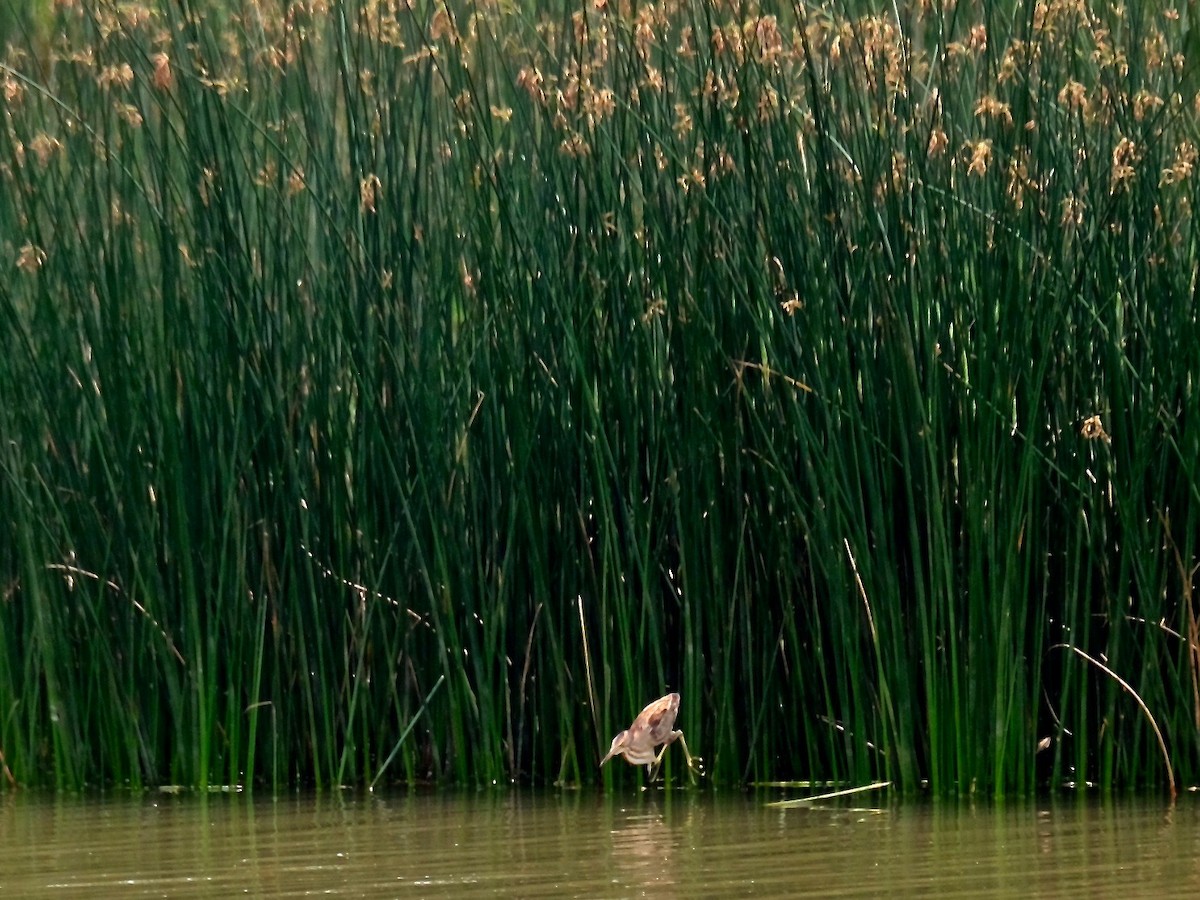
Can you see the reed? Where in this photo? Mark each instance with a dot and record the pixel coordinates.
(409, 391)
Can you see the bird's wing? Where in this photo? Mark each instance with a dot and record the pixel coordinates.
(668, 711)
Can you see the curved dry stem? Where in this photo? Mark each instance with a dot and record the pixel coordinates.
(1162, 745)
(587, 664)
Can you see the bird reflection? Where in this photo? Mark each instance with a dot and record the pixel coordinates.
(644, 849)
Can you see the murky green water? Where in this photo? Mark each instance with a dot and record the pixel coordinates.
(521, 844)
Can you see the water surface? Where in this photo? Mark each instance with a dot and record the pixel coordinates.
(660, 844)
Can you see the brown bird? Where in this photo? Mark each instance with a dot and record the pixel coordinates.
(652, 727)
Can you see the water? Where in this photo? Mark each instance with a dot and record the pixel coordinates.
(656, 844)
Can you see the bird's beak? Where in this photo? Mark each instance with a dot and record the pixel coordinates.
(615, 748)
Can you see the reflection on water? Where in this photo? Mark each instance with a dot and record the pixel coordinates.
(643, 853)
(654, 844)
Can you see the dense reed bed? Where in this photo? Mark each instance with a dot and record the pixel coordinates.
(399, 391)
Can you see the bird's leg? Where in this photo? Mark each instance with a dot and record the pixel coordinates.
(653, 768)
(695, 763)
(672, 736)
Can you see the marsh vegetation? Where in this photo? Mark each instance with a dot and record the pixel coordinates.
(396, 391)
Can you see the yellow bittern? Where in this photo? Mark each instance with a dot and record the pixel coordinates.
(653, 726)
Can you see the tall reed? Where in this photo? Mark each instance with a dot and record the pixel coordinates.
(405, 391)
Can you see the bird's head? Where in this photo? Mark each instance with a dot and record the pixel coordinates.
(618, 744)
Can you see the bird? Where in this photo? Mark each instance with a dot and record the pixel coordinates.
(653, 726)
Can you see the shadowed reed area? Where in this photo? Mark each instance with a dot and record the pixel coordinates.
(399, 391)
